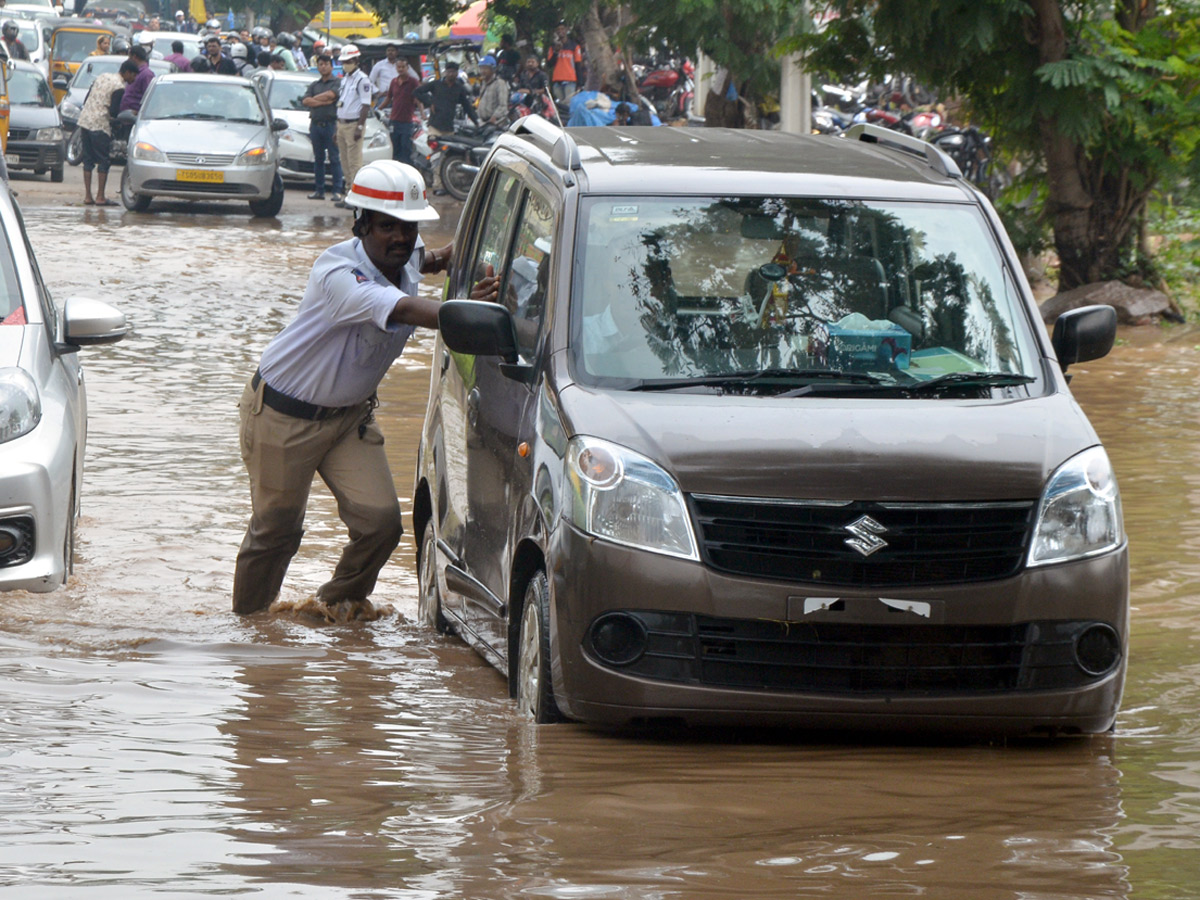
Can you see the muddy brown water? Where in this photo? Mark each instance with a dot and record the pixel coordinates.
(155, 744)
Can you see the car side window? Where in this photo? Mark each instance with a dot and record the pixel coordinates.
(492, 244)
(524, 291)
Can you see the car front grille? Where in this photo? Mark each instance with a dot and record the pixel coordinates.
(849, 658)
(917, 543)
(201, 159)
(197, 187)
(19, 134)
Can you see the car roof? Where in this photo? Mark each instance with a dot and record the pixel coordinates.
(209, 77)
(722, 161)
(22, 65)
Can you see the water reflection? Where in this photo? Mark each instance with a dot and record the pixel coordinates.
(155, 743)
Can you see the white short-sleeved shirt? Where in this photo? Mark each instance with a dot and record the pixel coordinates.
(340, 345)
(354, 95)
(382, 75)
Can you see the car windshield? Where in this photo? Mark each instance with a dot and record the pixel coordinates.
(29, 35)
(74, 46)
(27, 88)
(206, 100)
(790, 292)
(286, 93)
(133, 9)
(91, 69)
(191, 44)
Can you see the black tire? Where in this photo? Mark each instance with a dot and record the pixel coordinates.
(265, 209)
(75, 147)
(131, 201)
(56, 175)
(429, 597)
(456, 177)
(534, 691)
(69, 538)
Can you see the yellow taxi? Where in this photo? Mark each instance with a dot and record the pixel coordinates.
(3, 106)
(350, 19)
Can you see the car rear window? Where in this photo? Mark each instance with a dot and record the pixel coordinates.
(686, 287)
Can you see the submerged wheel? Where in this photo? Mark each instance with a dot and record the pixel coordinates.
(457, 178)
(131, 201)
(429, 597)
(535, 693)
(269, 206)
(75, 147)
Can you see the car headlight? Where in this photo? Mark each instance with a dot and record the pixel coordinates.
(1080, 511)
(48, 134)
(622, 496)
(148, 152)
(378, 140)
(20, 405)
(255, 156)
(69, 110)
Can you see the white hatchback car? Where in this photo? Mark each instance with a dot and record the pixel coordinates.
(43, 413)
(284, 91)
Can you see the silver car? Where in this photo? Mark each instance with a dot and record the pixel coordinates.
(284, 91)
(204, 137)
(43, 413)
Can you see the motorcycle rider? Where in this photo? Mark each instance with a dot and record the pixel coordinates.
(240, 56)
(12, 43)
(283, 49)
(443, 98)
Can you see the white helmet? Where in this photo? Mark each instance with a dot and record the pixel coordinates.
(393, 188)
(350, 51)
(144, 38)
(238, 51)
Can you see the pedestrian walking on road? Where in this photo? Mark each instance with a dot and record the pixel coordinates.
(321, 101)
(354, 105)
(309, 408)
(95, 124)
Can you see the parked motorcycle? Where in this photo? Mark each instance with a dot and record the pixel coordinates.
(671, 88)
(459, 156)
(971, 149)
(117, 147)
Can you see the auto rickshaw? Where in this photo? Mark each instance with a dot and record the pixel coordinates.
(70, 44)
(4, 63)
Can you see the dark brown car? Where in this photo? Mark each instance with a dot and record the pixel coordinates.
(765, 431)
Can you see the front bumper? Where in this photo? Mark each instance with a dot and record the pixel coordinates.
(38, 155)
(156, 179)
(986, 657)
(36, 474)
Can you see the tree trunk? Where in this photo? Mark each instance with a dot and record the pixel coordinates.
(1092, 209)
(602, 68)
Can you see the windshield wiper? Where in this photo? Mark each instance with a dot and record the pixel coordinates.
(749, 376)
(968, 380)
(192, 115)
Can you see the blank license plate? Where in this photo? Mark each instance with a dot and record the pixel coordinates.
(205, 175)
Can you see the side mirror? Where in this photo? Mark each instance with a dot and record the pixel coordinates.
(279, 125)
(87, 321)
(1083, 334)
(478, 329)
(60, 82)
(127, 116)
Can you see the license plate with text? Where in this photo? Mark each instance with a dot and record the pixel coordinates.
(205, 175)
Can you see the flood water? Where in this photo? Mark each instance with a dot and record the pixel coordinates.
(152, 743)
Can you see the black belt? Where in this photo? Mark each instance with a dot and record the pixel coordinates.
(290, 406)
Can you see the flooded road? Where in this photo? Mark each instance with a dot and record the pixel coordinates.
(155, 744)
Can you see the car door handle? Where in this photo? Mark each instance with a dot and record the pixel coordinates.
(445, 361)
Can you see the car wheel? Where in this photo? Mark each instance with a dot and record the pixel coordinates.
(429, 597)
(457, 178)
(133, 202)
(535, 693)
(75, 147)
(270, 206)
(56, 175)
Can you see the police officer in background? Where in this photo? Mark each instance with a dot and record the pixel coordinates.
(309, 408)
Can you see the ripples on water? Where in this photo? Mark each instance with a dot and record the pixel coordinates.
(153, 743)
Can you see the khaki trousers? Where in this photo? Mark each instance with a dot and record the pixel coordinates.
(282, 453)
(350, 150)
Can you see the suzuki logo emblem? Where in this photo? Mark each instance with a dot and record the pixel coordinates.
(200, 160)
(866, 533)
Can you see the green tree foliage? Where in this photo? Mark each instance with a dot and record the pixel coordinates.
(1105, 94)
